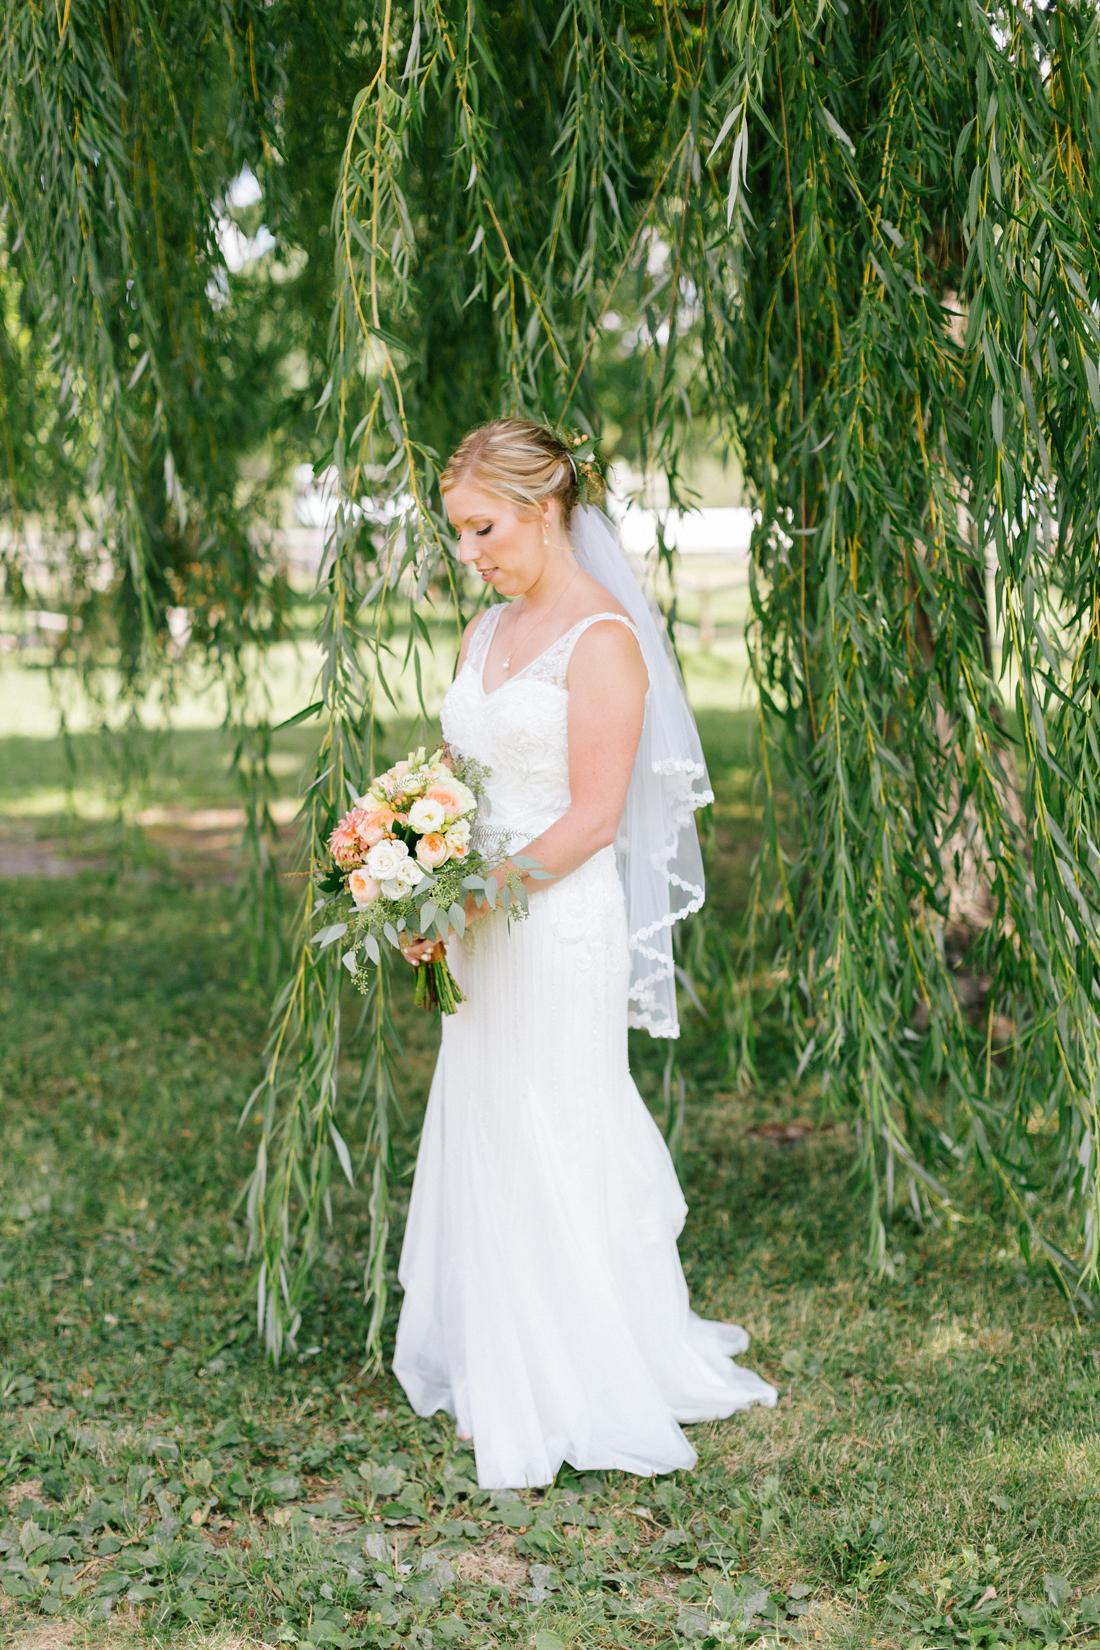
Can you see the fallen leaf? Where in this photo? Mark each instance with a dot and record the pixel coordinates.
(784, 1134)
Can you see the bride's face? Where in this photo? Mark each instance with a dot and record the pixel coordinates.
(506, 548)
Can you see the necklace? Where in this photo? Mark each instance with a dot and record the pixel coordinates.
(519, 642)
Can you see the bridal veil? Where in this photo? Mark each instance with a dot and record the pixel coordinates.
(657, 846)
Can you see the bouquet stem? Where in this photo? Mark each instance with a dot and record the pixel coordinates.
(436, 986)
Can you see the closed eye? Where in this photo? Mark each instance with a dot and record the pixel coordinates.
(481, 531)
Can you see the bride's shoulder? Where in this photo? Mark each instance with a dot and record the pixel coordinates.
(602, 614)
(607, 646)
(595, 601)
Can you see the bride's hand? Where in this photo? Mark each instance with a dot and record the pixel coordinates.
(474, 909)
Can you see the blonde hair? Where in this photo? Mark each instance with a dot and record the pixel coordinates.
(516, 460)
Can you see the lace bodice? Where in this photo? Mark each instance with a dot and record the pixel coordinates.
(520, 731)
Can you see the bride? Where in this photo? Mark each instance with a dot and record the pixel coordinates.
(545, 1307)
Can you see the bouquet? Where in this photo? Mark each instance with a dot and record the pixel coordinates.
(404, 862)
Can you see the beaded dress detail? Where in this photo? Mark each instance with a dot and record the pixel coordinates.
(545, 1306)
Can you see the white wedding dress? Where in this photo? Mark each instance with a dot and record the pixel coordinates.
(545, 1306)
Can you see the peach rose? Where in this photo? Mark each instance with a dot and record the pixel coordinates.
(448, 800)
(373, 826)
(432, 851)
(363, 888)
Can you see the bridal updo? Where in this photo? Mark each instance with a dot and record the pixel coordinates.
(519, 461)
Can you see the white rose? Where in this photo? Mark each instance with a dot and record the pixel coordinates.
(459, 834)
(426, 816)
(409, 874)
(384, 858)
(392, 889)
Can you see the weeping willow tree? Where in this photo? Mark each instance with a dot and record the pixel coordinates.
(855, 243)
(124, 492)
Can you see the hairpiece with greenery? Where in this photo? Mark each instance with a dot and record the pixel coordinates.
(589, 466)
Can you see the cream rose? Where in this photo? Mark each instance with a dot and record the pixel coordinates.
(364, 889)
(407, 876)
(432, 851)
(458, 834)
(427, 815)
(384, 859)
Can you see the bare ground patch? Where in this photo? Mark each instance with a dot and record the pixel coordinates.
(493, 1563)
(26, 1489)
(47, 1635)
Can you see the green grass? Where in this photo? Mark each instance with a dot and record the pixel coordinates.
(936, 1434)
(41, 779)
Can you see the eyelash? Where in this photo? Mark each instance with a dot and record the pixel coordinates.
(481, 531)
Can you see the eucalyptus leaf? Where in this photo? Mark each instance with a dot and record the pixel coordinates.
(329, 935)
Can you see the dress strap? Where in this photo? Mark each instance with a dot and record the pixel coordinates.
(483, 635)
(553, 665)
(578, 630)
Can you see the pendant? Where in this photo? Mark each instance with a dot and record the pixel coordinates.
(507, 664)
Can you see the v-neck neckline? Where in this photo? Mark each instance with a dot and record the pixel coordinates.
(490, 693)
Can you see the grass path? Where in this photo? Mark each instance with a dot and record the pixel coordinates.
(930, 1478)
